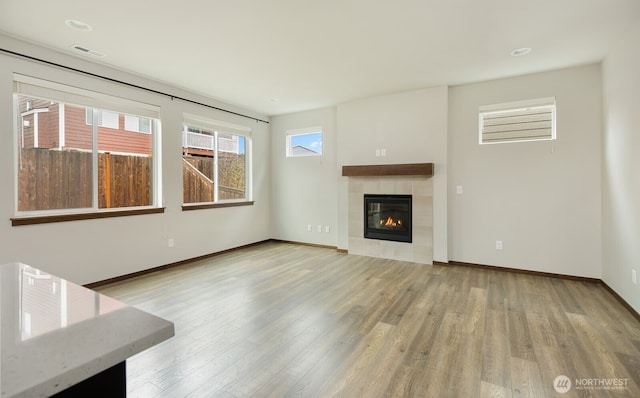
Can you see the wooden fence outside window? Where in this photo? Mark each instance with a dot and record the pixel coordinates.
(51, 179)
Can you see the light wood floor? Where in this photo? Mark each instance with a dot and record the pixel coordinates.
(280, 320)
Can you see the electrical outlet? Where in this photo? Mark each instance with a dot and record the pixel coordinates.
(633, 277)
(459, 189)
(327, 229)
(170, 242)
(498, 245)
(319, 228)
(309, 227)
(377, 152)
(383, 152)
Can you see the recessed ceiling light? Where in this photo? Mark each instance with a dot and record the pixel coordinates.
(78, 25)
(520, 52)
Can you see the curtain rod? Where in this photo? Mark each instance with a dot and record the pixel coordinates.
(128, 84)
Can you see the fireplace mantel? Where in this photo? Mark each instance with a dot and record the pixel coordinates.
(381, 170)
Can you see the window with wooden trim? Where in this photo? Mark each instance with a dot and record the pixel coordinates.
(531, 120)
(65, 165)
(216, 158)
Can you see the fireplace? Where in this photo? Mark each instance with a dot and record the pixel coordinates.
(387, 217)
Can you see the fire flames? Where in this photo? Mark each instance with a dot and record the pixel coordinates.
(390, 222)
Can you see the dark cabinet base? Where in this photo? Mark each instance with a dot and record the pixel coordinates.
(110, 383)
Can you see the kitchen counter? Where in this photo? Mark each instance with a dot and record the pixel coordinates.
(56, 334)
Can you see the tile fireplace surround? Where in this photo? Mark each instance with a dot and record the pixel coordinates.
(421, 189)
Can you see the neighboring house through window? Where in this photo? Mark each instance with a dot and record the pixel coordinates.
(75, 156)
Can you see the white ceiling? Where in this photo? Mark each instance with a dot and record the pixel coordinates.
(282, 56)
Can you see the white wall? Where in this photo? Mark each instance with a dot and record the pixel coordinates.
(621, 177)
(93, 250)
(542, 199)
(412, 127)
(304, 188)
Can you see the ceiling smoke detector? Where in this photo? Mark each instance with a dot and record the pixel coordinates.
(78, 25)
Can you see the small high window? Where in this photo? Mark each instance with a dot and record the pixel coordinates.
(532, 120)
(304, 142)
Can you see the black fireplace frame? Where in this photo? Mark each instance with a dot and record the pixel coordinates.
(384, 234)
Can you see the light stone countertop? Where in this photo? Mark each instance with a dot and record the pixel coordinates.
(55, 333)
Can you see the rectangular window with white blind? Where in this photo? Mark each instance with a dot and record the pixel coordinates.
(531, 120)
(73, 154)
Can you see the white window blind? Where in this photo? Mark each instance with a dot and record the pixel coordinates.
(531, 120)
(38, 88)
(219, 126)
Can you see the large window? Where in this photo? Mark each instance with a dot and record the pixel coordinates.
(74, 154)
(215, 163)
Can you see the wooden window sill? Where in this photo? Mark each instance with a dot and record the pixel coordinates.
(30, 220)
(200, 206)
